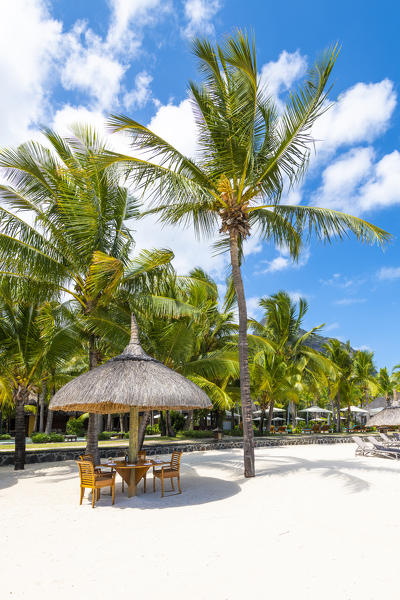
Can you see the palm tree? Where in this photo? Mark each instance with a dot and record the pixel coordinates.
(290, 344)
(248, 151)
(386, 384)
(28, 343)
(80, 243)
(340, 384)
(364, 373)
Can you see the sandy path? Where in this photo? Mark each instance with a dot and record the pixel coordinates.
(317, 522)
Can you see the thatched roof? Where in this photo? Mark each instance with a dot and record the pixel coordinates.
(388, 417)
(130, 379)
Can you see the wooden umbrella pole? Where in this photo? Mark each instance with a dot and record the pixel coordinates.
(133, 447)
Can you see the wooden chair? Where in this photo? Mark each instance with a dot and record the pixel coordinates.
(272, 429)
(141, 455)
(169, 472)
(95, 481)
(282, 429)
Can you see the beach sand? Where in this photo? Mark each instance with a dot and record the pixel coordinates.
(316, 522)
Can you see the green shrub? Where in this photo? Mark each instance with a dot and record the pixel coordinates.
(126, 434)
(75, 427)
(177, 420)
(152, 429)
(195, 434)
(40, 438)
(106, 435)
(56, 437)
(5, 436)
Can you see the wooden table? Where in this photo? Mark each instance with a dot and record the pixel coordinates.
(133, 473)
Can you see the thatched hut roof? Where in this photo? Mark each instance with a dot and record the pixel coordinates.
(131, 379)
(388, 417)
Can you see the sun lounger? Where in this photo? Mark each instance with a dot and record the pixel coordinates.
(363, 449)
(396, 436)
(389, 451)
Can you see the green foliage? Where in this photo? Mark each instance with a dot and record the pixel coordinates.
(44, 438)
(5, 436)
(152, 429)
(177, 420)
(196, 434)
(75, 427)
(107, 435)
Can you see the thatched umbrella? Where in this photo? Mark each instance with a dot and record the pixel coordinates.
(388, 417)
(130, 382)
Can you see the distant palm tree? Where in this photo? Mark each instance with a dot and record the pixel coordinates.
(364, 372)
(31, 336)
(80, 243)
(340, 384)
(281, 326)
(247, 151)
(386, 384)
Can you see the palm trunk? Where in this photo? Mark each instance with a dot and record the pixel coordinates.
(42, 401)
(49, 421)
(121, 422)
(36, 414)
(189, 421)
(338, 412)
(109, 422)
(248, 434)
(348, 417)
(366, 397)
(262, 418)
(233, 418)
(20, 397)
(142, 428)
(270, 413)
(169, 429)
(92, 440)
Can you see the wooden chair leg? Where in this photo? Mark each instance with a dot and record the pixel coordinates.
(162, 485)
(93, 497)
(113, 492)
(98, 493)
(179, 484)
(154, 484)
(82, 494)
(144, 484)
(172, 484)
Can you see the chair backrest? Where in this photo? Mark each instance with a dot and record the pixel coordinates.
(88, 457)
(86, 472)
(373, 441)
(175, 460)
(384, 436)
(141, 455)
(396, 436)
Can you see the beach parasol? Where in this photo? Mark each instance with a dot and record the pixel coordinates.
(315, 409)
(388, 417)
(355, 409)
(130, 382)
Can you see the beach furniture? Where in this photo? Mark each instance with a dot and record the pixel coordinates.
(363, 448)
(168, 472)
(94, 481)
(282, 429)
(382, 450)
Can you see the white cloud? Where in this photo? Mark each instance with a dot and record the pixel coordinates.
(176, 124)
(295, 296)
(363, 347)
(141, 93)
(124, 13)
(199, 15)
(29, 46)
(354, 183)
(90, 66)
(389, 273)
(360, 114)
(254, 310)
(278, 76)
(331, 327)
(283, 261)
(350, 301)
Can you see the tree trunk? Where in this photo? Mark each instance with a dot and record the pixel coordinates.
(270, 414)
(121, 422)
(109, 422)
(348, 417)
(169, 429)
(262, 418)
(142, 427)
(49, 422)
(42, 401)
(338, 412)
(92, 440)
(248, 434)
(36, 414)
(21, 395)
(233, 418)
(189, 421)
(366, 397)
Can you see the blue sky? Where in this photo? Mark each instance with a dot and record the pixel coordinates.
(64, 61)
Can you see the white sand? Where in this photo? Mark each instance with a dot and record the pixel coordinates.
(317, 522)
